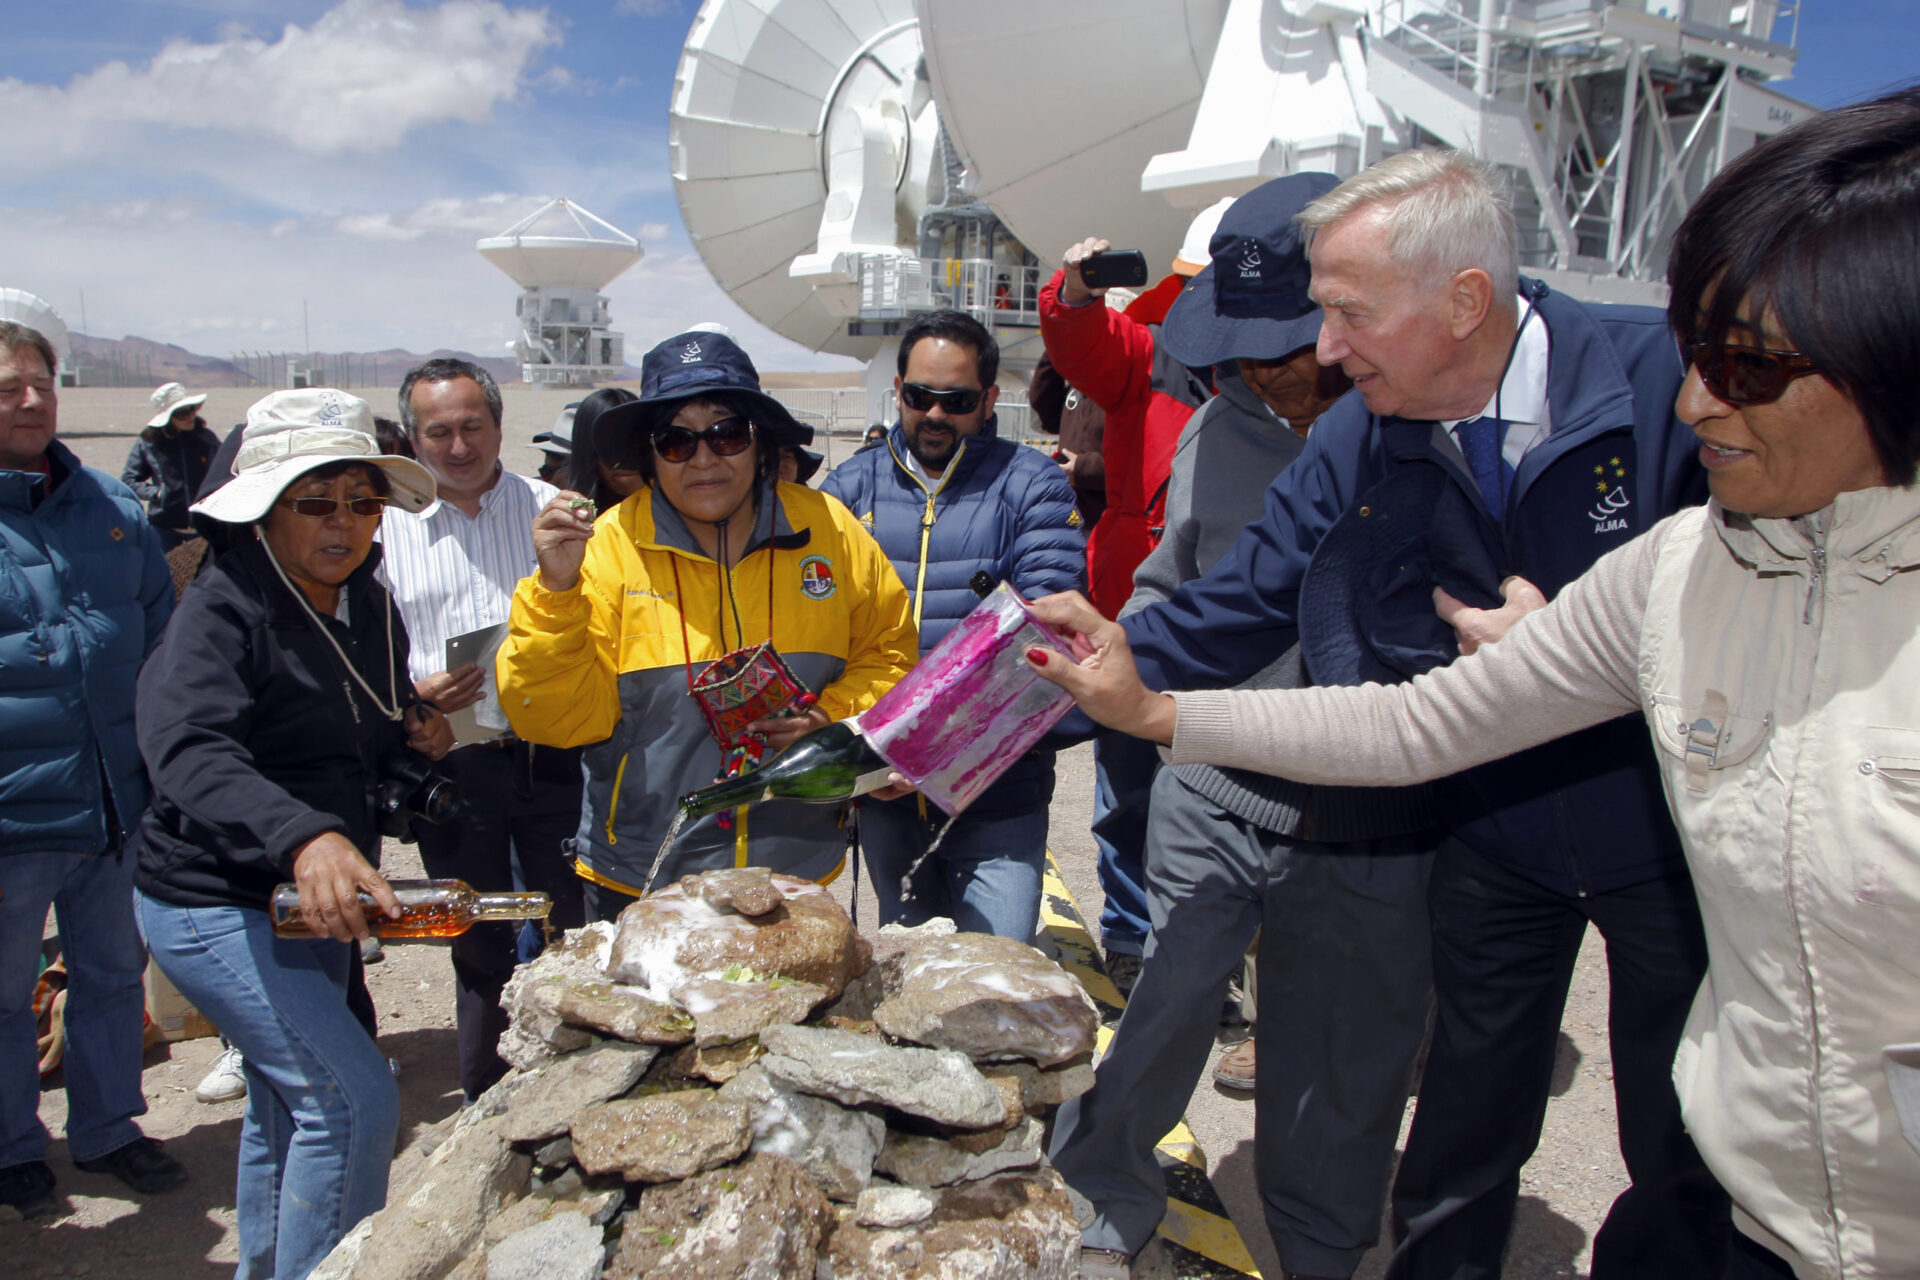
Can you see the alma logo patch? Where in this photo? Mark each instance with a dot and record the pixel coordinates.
(816, 577)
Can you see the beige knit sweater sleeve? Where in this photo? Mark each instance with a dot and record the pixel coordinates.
(1566, 667)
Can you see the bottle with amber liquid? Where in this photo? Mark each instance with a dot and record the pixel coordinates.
(428, 909)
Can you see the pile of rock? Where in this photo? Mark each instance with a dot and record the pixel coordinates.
(732, 1083)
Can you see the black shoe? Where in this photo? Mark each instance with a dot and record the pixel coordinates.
(141, 1164)
(29, 1189)
(1124, 969)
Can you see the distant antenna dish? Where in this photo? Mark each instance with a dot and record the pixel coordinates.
(1058, 106)
(562, 256)
(36, 313)
(768, 93)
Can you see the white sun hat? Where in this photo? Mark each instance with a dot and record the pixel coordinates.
(1195, 253)
(171, 399)
(293, 432)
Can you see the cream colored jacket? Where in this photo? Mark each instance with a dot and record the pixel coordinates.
(1778, 663)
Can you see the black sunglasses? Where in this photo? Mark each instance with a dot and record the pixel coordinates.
(921, 398)
(321, 508)
(726, 438)
(1746, 375)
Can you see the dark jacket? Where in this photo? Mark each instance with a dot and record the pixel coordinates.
(165, 469)
(84, 595)
(999, 507)
(257, 738)
(1378, 510)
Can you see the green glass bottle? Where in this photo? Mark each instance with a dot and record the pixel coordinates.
(825, 767)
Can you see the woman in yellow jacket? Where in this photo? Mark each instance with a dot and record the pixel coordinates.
(712, 555)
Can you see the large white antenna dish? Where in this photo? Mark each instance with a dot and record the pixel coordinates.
(562, 256)
(1057, 107)
(36, 313)
(768, 93)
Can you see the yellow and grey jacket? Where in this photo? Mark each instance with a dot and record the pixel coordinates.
(609, 664)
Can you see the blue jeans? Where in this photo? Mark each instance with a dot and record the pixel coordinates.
(93, 896)
(322, 1107)
(986, 877)
(1123, 772)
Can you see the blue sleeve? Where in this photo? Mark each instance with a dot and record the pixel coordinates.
(1222, 627)
(1049, 551)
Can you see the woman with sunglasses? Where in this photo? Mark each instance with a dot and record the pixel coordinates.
(711, 559)
(265, 717)
(1770, 639)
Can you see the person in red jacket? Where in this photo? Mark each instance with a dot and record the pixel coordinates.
(1114, 358)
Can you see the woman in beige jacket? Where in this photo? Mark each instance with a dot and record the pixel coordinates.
(1770, 638)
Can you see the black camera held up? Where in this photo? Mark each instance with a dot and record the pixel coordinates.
(408, 788)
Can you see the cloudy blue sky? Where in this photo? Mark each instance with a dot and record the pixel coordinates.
(199, 168)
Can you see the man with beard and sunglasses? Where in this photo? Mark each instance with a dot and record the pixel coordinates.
(1502, 439)
(948, 500)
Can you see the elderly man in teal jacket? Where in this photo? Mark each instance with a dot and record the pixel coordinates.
(84, 594)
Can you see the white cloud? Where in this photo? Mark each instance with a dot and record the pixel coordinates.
(363, 76)
(652, 232)
(646, 9)
(484, 216)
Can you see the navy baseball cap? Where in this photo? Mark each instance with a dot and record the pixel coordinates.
(691, 366)
(1251, 301)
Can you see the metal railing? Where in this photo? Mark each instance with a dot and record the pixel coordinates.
(994, 293)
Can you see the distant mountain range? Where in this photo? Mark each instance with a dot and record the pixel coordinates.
(134, 361)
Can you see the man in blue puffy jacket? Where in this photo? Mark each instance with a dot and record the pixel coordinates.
(947, 500)
(84, 593)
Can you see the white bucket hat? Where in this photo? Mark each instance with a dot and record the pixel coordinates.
(293, 432)
(171, 399)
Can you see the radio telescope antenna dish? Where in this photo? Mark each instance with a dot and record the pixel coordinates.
(562, 256)
(771, 98)
(1058, 107)
(36, 313)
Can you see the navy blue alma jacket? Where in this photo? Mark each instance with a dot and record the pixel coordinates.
(1379, 510)
(999, 506)
(84, 595)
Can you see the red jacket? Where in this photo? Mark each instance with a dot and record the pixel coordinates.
(1109, 356)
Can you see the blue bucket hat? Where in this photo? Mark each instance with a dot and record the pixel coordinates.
(1251, 300)
(691, 366)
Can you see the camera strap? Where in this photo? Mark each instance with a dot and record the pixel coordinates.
(398, 708)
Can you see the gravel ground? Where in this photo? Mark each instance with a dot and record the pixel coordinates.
(189, 1233)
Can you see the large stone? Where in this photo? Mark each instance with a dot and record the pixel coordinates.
(718, 1064)
(537, 1033)
(668, 939)
(425, 1233)
(923, 1161)
(1014, 1227)
(728, 1010)
(760, 1220)
(1040, 1089)
(881, 981)
(627, 1013)
(564, 1247)
(547, 1103)
(887, 1204)
(836, 1146)
(935, 1084)
(566, 1194)
(989, 998)
(747, 891)
(659, 1139)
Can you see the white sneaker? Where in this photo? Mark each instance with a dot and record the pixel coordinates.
(226, 1081)
(1104, 1264)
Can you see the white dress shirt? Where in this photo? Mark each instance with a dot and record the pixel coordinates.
(452, 573)
(1521, 400)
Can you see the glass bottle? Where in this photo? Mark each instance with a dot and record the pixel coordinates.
(428, 909)
(824, 767)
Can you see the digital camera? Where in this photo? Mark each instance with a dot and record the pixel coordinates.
(410, 788)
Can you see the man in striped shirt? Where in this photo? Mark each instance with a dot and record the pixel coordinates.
(452, 569)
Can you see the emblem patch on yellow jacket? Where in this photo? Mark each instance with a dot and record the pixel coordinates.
(816, 577)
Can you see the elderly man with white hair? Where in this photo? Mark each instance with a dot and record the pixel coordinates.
(1499, 440)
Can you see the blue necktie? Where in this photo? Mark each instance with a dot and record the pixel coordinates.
(1480, 442)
